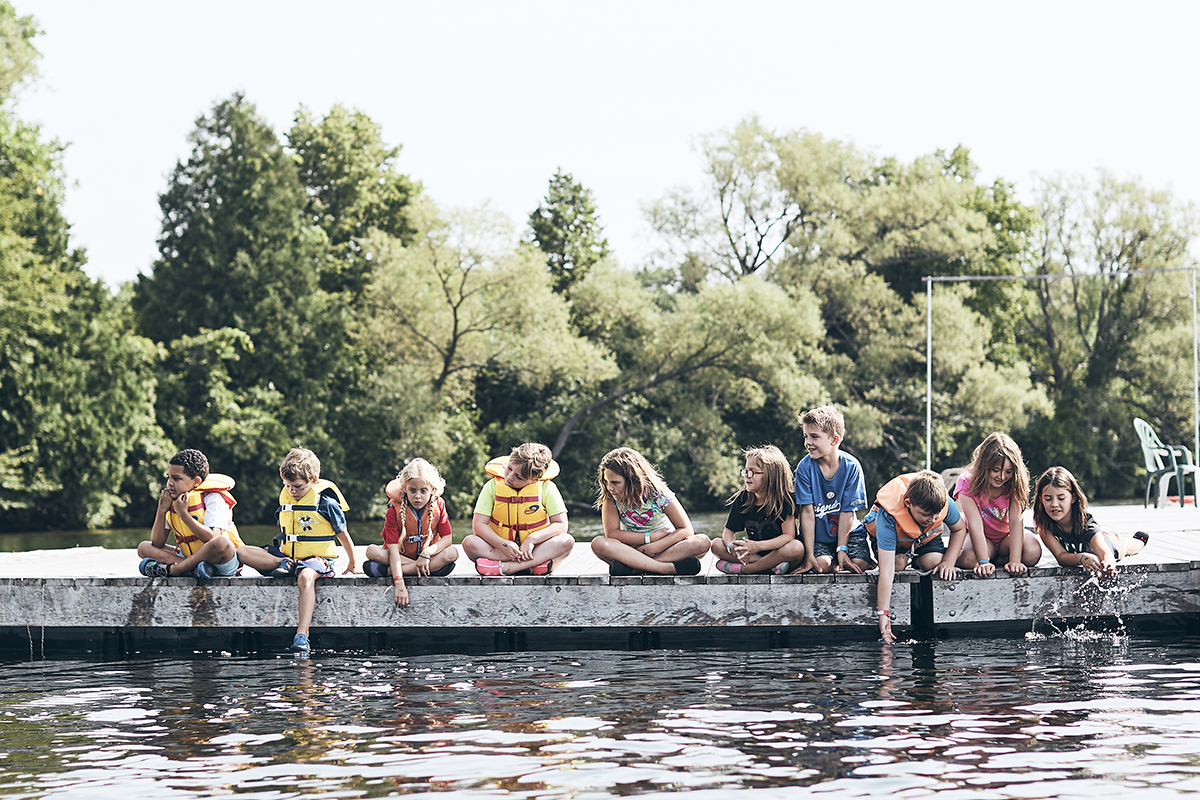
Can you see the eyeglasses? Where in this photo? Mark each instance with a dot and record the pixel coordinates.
(750, 473)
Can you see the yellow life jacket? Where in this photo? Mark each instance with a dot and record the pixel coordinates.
(302, 531)
(517, 512)
(189, 542)
(908, 532)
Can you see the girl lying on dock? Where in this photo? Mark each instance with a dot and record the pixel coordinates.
(646, 529)
(1069, 531)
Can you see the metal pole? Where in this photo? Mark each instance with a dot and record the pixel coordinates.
(929, 372)
(1195, 387)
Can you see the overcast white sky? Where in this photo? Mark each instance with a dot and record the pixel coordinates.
(488, 99)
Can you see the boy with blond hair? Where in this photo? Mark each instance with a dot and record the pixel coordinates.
(520, 520)
(311, 518)
(829, 489)
(906, 524)
(197, 508)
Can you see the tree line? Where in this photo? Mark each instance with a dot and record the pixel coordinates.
(308, 293)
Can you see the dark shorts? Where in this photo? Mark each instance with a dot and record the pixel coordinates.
(324, 567)
(856, 545)
(935, 545)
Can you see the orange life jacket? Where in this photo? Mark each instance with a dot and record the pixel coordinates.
(908, 533)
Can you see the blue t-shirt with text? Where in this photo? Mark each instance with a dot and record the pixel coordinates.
(829, 498)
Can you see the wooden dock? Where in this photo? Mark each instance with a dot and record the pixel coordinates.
(93, 600)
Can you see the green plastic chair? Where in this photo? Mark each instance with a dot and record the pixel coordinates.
(1164, 461)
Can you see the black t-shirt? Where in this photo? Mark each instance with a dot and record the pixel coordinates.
(1077, 542)
(754, 522)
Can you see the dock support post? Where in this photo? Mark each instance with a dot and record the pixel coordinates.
(921, 606)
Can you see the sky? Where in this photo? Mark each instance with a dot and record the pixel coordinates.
(489, 99)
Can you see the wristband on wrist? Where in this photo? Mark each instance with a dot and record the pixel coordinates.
(885, 613)
(844, 548)
(647, 537)
(985, 561)
(398, 579)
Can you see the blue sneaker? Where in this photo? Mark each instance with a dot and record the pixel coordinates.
(376, 570)
(152, 568)
(300, 644)
(203, 572)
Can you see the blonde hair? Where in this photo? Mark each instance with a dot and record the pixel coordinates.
(779, 483)
(1060, 478)
(300, 464)
(532, 459)
(398, 488)
(992, 452)
(642, 480)
(927, 491)
(827, 418)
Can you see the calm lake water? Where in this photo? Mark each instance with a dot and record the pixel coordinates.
(1084, 715)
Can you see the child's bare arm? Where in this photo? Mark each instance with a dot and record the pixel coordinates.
(808, 533)
(970, 512)
(351, 558)
(846, 523)
(1016, 537)
(399, 589)
(1104, 555)
(947, 569)
(883, 594)
(158, 534)
(1056, 549)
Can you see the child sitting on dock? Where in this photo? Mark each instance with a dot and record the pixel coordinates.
(905, 525)
(416, 530)
(829, 489)
(1069, 531)
(197, 507)
(311, 519)
(991, 495)
(646, 529)
(765, 508)
(520, 520)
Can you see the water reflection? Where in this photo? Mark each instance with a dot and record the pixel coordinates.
(1045, 717)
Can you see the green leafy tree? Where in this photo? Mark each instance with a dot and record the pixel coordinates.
(1109, 343)
(76, 386)
(822, 220)
(566, 228)
(352, 188)
(237, 252)
(462, 305)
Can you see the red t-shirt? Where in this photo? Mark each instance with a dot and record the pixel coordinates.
(416, 526)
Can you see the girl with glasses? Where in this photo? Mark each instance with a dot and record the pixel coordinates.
(765, 509)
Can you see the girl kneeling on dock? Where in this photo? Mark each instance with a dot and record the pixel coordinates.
(765, 509)
(991, 495)
(416, 530)
(1069, 531)
(646, 530)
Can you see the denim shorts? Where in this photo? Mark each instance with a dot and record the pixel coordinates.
(856, 545)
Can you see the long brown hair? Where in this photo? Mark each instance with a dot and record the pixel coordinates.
(992, 452)
(779, 484)
(1060, 478)
(642, 480)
